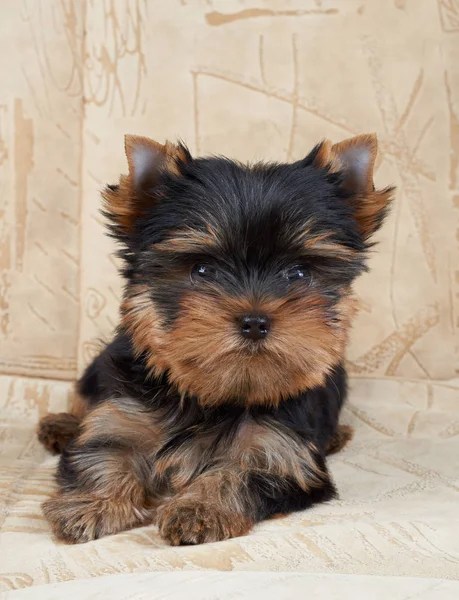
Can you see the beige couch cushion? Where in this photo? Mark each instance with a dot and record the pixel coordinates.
(242, 586)
(253, 80)
(397, 512)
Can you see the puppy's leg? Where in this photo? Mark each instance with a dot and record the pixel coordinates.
(56, 430)
(213, 508)
(104, 473)
(266, 470)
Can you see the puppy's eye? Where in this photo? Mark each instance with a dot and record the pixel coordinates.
(297, 274)
(203, 272)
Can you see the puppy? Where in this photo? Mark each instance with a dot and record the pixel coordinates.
(217, 401)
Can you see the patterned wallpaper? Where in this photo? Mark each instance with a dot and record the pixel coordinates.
(250, 79)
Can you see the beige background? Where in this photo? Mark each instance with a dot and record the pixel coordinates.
(250, 79)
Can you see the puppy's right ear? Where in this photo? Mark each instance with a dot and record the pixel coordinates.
(148, 161)
(354, 161)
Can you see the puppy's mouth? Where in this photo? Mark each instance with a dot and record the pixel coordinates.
(257, 348)
(256, 353)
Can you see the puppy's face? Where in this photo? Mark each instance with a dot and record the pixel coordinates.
(239, 278)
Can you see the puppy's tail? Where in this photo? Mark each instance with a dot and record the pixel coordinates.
(56, 430)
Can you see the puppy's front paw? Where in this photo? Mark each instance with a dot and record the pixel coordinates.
(186, 521)
(77, 519)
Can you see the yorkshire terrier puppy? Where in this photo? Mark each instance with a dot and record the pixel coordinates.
(217, 401)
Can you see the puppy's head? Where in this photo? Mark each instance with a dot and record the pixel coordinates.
(239, 277)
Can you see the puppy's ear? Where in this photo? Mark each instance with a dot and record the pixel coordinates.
(148, 161)
(354, 159)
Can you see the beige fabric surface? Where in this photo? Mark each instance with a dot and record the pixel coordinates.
(242, 586)
(265, 79)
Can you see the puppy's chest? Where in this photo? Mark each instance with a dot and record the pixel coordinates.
(236, 442)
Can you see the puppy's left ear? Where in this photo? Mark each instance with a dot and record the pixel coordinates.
(148, 162)
(355, 159)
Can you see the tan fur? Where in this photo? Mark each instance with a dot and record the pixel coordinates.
(321, 245)
(112, 480)
(268, 449)
(331, 249)
(188, 240)
(205, 357)
(340, 439)
(78, 518)
(215, 505)
(197, 518)
(55, 431)
(109, 472)
(262, 448)
(367, 140)
(183, 463)
(209, 503)
(169, 153)
(140, 317)
(125, 420)
(110, 499)
(368, 202)
(122, 203)
(79, 406)
(323, 156)
(369, 209)
(126, 204)
(312, 241)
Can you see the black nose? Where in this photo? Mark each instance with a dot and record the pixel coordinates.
(254, 327)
